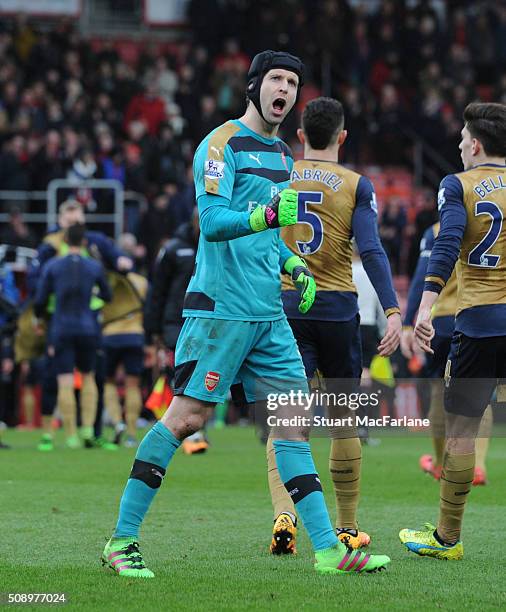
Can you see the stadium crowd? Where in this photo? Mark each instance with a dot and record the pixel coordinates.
(75, 108)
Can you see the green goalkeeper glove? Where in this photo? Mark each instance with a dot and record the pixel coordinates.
(303, 281)
(280, 211)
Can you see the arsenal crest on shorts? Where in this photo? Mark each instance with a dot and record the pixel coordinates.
(211, 381)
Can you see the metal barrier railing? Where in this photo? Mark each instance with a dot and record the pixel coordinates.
(24, 196)
(49, 217)
(116, 218)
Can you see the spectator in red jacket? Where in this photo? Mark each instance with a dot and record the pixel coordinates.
(147, 107)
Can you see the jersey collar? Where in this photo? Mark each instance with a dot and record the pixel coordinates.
(254, 134)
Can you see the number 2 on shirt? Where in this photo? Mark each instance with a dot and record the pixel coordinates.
(479, 256)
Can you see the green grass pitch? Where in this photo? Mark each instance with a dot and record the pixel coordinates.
(207, 534)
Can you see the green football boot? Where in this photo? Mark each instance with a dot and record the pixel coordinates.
(87, 436)
(46, 443)
(333, 561)
(73, 442)
(423, 542)
(103, 443)
(123, 556)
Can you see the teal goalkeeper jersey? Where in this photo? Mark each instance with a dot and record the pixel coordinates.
(238, 279)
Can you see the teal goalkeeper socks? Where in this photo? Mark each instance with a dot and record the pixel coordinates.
(151, 461)
(298, 473)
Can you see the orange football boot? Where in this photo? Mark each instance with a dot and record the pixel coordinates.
(480, 477)
(284, 534)
(353, 538)
(427, 465)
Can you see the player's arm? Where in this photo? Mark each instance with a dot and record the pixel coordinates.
(218, 223)
(408, 341)
(44, 289)
(158, 293)
(113, 258)
(375, 262)
(443, 256)
(214, 184)
(284, 254)
(44, 253)
(301, 276)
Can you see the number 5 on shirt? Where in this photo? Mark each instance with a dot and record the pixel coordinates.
(310, 218)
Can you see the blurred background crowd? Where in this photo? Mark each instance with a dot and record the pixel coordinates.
(77, 105)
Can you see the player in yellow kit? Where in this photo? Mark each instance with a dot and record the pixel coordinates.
(334, 205)
(472, 207)
(123, 339)
(443, 320)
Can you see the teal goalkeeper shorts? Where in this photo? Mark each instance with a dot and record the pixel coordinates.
(213, 354)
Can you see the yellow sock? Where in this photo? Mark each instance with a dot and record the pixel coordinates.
(483, 438)
(456, 482)
(112, 404)
(439, 449)
(437, 420)
(29, 405)
(344, 464)
(68, 409)
(281, 500)
(89, 398)
(133, 405)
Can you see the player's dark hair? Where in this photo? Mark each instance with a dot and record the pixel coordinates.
(74, 234)
(487, 123)
(322, 120)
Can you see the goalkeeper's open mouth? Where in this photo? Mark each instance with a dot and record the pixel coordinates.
(278, 106)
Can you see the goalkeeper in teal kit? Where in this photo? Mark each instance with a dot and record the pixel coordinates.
(235, 328)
